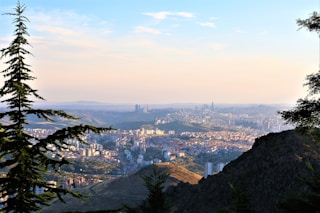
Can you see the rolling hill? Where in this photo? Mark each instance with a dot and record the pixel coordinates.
(125, 190)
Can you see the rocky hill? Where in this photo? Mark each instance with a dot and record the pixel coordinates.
(267, 174)
(125, 190)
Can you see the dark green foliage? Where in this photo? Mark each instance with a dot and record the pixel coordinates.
(240, 201)
(312, 23)
(26, 156)
(89, 167)
(152, 153)
(156, 201)
(310, 201)
(223, 157)
(306, 114)
(266, 173)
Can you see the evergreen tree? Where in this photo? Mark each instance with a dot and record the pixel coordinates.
(240, 202)
(155, 201)
(307, 202)
(306, 114)
(26, 158)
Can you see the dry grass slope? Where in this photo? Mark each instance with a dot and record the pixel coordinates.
(125, 190)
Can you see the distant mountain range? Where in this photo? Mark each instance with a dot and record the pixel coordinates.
(125, 117)
(111, 106)
(94, 105)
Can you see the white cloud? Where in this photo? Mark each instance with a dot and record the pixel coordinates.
(142, 29)
(207, 24)
(67, 23)
(218, 46)
(184, 14)
(264, 32)
(165, 14)
(158, 15)
(56, 30)
(238, 30)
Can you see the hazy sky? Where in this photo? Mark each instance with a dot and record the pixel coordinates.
(168, 51)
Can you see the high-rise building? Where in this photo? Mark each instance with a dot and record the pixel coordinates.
(212, 106)
(220, 167)
(208, 169)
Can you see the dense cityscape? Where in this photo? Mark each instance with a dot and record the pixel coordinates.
(230, 132)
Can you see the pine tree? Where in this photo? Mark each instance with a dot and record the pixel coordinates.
(25, 157)
(308, 201)
(155, 201)
(306, 114)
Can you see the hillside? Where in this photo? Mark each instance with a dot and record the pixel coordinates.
(129, 190)
(267, 173)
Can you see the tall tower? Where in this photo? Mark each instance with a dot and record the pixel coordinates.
(220, 167)
(212, 106)
(137, 108)
(208, 169)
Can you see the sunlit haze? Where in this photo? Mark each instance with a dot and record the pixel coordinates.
(168, 51)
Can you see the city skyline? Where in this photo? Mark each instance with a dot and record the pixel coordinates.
(161, 52)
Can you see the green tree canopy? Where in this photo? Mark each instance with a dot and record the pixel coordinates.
(156, 200)
(26, 158)
(307, 111)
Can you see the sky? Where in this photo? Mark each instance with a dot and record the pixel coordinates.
(168, 51)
